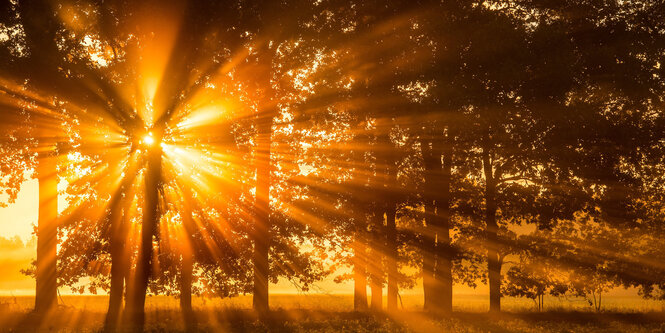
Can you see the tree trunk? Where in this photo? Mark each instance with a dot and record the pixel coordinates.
(118, 272)
(492, 228)
(186, 290)
(136, 304)
(39, 36)
(391, 242)
(494, 268)
(443, 268)
(187, 265)
(375, 262)
(359, 275)
(541, 301)
(47, 236)
(119, 264)
(119, 260)
(429, 259)
(377, 295)
(432, 161)
(262, 225)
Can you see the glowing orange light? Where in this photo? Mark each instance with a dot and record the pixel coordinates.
(148, 140)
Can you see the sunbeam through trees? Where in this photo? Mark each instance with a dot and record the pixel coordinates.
(207, 150)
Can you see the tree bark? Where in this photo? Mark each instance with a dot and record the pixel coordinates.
(47, 236)
(391, 242)
(186, 290)
(377, 294)
(119, 265)
(115, 297)
(432, 161)
(429, 282)
(359, 275)
(188, 256)
(118, 273)
(443, 268)
(40, 31)
(375, 262)
(492, 228)
(262, 224)
(136, 304)
(119, 260)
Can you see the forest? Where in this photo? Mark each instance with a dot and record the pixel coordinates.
(213, 148)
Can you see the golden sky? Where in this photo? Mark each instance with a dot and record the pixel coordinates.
(18, 219)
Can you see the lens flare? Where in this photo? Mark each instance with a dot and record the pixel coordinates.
(148, 140)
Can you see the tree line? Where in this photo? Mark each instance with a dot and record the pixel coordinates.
(213, 148)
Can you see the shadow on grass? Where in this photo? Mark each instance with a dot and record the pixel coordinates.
(238, 320)
(59, 319)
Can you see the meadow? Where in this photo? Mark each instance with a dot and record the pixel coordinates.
(333, 313)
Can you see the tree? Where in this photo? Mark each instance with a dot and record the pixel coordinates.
(535, 275)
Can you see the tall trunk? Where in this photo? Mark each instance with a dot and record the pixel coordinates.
(262, 224)
(261, 234)
(118, 270)
(377, 293)
(115, 295)
(186, 290)
(492, 228)
(443, 268)
(118, 273)
(429, 260)
(136, 303)
(541, 300)
(432, 161)
(187, 265)
(360, 270)
(359, 274)
(39, 33)
(47, 237)
(186, 284)
(119, 260)
(391, 246)
(375, 262)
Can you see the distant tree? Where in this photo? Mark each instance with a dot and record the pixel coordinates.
(534, 276)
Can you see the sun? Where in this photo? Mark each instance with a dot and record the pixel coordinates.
(148, 140)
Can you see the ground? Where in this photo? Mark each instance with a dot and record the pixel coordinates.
(300, 313)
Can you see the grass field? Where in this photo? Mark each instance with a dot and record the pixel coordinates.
(333, 313)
